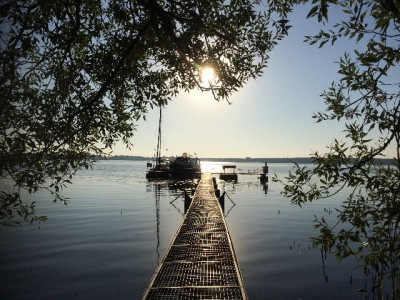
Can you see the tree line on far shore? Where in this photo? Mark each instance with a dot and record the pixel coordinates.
(299, 160)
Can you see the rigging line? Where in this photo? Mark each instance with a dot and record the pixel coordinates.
(229, 197)
(177, 209)
(226, 215)
(176, 198)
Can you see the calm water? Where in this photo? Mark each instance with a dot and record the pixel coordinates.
(108, 241)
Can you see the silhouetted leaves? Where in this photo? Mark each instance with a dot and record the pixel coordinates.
(76, 76)
(366, 99)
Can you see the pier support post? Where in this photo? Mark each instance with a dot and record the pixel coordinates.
(264, 175)
(263, 178)
(221, 201)
(188, 201)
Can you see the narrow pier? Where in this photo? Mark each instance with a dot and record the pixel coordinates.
(201, 262)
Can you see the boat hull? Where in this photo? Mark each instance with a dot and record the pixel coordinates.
(185, 174)
(185, 167)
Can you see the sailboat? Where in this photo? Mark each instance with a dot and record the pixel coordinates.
(160, 168)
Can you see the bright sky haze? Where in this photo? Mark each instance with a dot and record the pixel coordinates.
(269, 117)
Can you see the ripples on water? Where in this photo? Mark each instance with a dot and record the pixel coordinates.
(108, 241)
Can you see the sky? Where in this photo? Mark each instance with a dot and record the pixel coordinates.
(269, 117)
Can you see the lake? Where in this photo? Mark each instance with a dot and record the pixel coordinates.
(107, 242)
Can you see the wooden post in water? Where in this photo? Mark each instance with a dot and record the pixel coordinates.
(264, 175)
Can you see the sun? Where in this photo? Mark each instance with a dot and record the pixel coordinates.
(208, 77)
(207, 74)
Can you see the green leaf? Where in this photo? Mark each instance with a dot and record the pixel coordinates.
(312, 11)
(323, 43)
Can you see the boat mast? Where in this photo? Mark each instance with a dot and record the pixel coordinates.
(158, 161)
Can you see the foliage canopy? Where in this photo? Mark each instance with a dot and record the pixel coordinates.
(77, 75)
(367, 99)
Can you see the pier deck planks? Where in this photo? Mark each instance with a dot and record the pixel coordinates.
(201, 262)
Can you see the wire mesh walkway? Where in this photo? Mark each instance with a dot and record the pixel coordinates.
(201, 262)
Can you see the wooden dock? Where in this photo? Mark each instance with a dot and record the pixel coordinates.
(201, 262)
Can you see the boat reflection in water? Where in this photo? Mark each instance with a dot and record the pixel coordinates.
(177, 190)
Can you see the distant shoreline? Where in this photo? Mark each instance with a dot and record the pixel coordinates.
(300, 160)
